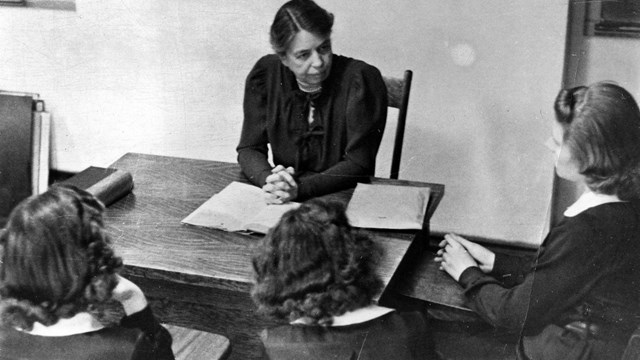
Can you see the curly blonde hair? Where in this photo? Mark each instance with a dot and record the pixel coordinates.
(56, 258)
(313, 264)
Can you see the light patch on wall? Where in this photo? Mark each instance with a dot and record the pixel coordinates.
(462, 54)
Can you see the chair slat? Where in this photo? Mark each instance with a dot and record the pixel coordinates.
(198, 345)
(398, 90)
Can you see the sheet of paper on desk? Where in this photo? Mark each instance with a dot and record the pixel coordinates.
(238, 207)
(382, 206)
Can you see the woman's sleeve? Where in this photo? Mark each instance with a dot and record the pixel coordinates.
(560, 279)
(366, 116)
(252, 149)
(510, 269)
(156, 336)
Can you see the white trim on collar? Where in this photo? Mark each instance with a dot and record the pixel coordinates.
(78, 324)
(353, 317)
(588, 200)
(360, 315)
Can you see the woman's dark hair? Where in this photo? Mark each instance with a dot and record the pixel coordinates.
(602, 129)
(297, 15)
(313, 264)
(56, 258)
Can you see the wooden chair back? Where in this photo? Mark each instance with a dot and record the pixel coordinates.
(192, 344)
(398, 90)
(632, 352)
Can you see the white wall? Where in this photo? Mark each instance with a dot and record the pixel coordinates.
(166, 77)
(612, 58)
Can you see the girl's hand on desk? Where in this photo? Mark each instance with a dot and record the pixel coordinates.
(280, 185)
(454, 258)
(483, 256)
(129, 295)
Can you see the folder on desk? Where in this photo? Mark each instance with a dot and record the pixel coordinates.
(239, 207)
(385, 206)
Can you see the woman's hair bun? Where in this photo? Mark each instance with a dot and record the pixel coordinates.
(567, 101)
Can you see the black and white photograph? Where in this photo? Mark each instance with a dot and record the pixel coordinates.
(319, 179)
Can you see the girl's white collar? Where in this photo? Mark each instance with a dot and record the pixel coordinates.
(588, 200)
(78, 324)
(354, 317)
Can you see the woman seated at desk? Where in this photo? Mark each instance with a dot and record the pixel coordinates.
(59, 286)
(579, 299)
(315, 272)
(322, 114)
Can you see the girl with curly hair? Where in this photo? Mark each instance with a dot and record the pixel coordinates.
(578, 298)
(57, 275)
(314, 271)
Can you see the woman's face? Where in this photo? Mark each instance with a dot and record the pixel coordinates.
(309, 58)
(567, 167)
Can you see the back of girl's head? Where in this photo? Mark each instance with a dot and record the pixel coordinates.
(602, 128)
(56, 259)
(297, 15)
(313, 264)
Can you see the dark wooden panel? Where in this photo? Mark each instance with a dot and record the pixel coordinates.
(429, 283)
(16, 143)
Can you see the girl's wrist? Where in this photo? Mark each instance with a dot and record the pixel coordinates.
(130, 296)
(136, 303)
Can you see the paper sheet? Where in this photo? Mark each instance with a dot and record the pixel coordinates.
(238, 207)
(381, 206)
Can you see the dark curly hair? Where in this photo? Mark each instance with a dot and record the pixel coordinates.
(297, 15)
(313, 264)
(601, 125)
(56, 258)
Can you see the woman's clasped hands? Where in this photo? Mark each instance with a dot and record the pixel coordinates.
(457, 254)
(280, 186)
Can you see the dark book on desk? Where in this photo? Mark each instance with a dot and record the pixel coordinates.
(107, 184)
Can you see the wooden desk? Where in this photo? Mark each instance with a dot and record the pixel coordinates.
(423, 280)
(200, 277)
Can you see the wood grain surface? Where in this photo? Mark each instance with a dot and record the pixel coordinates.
(200, 277)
